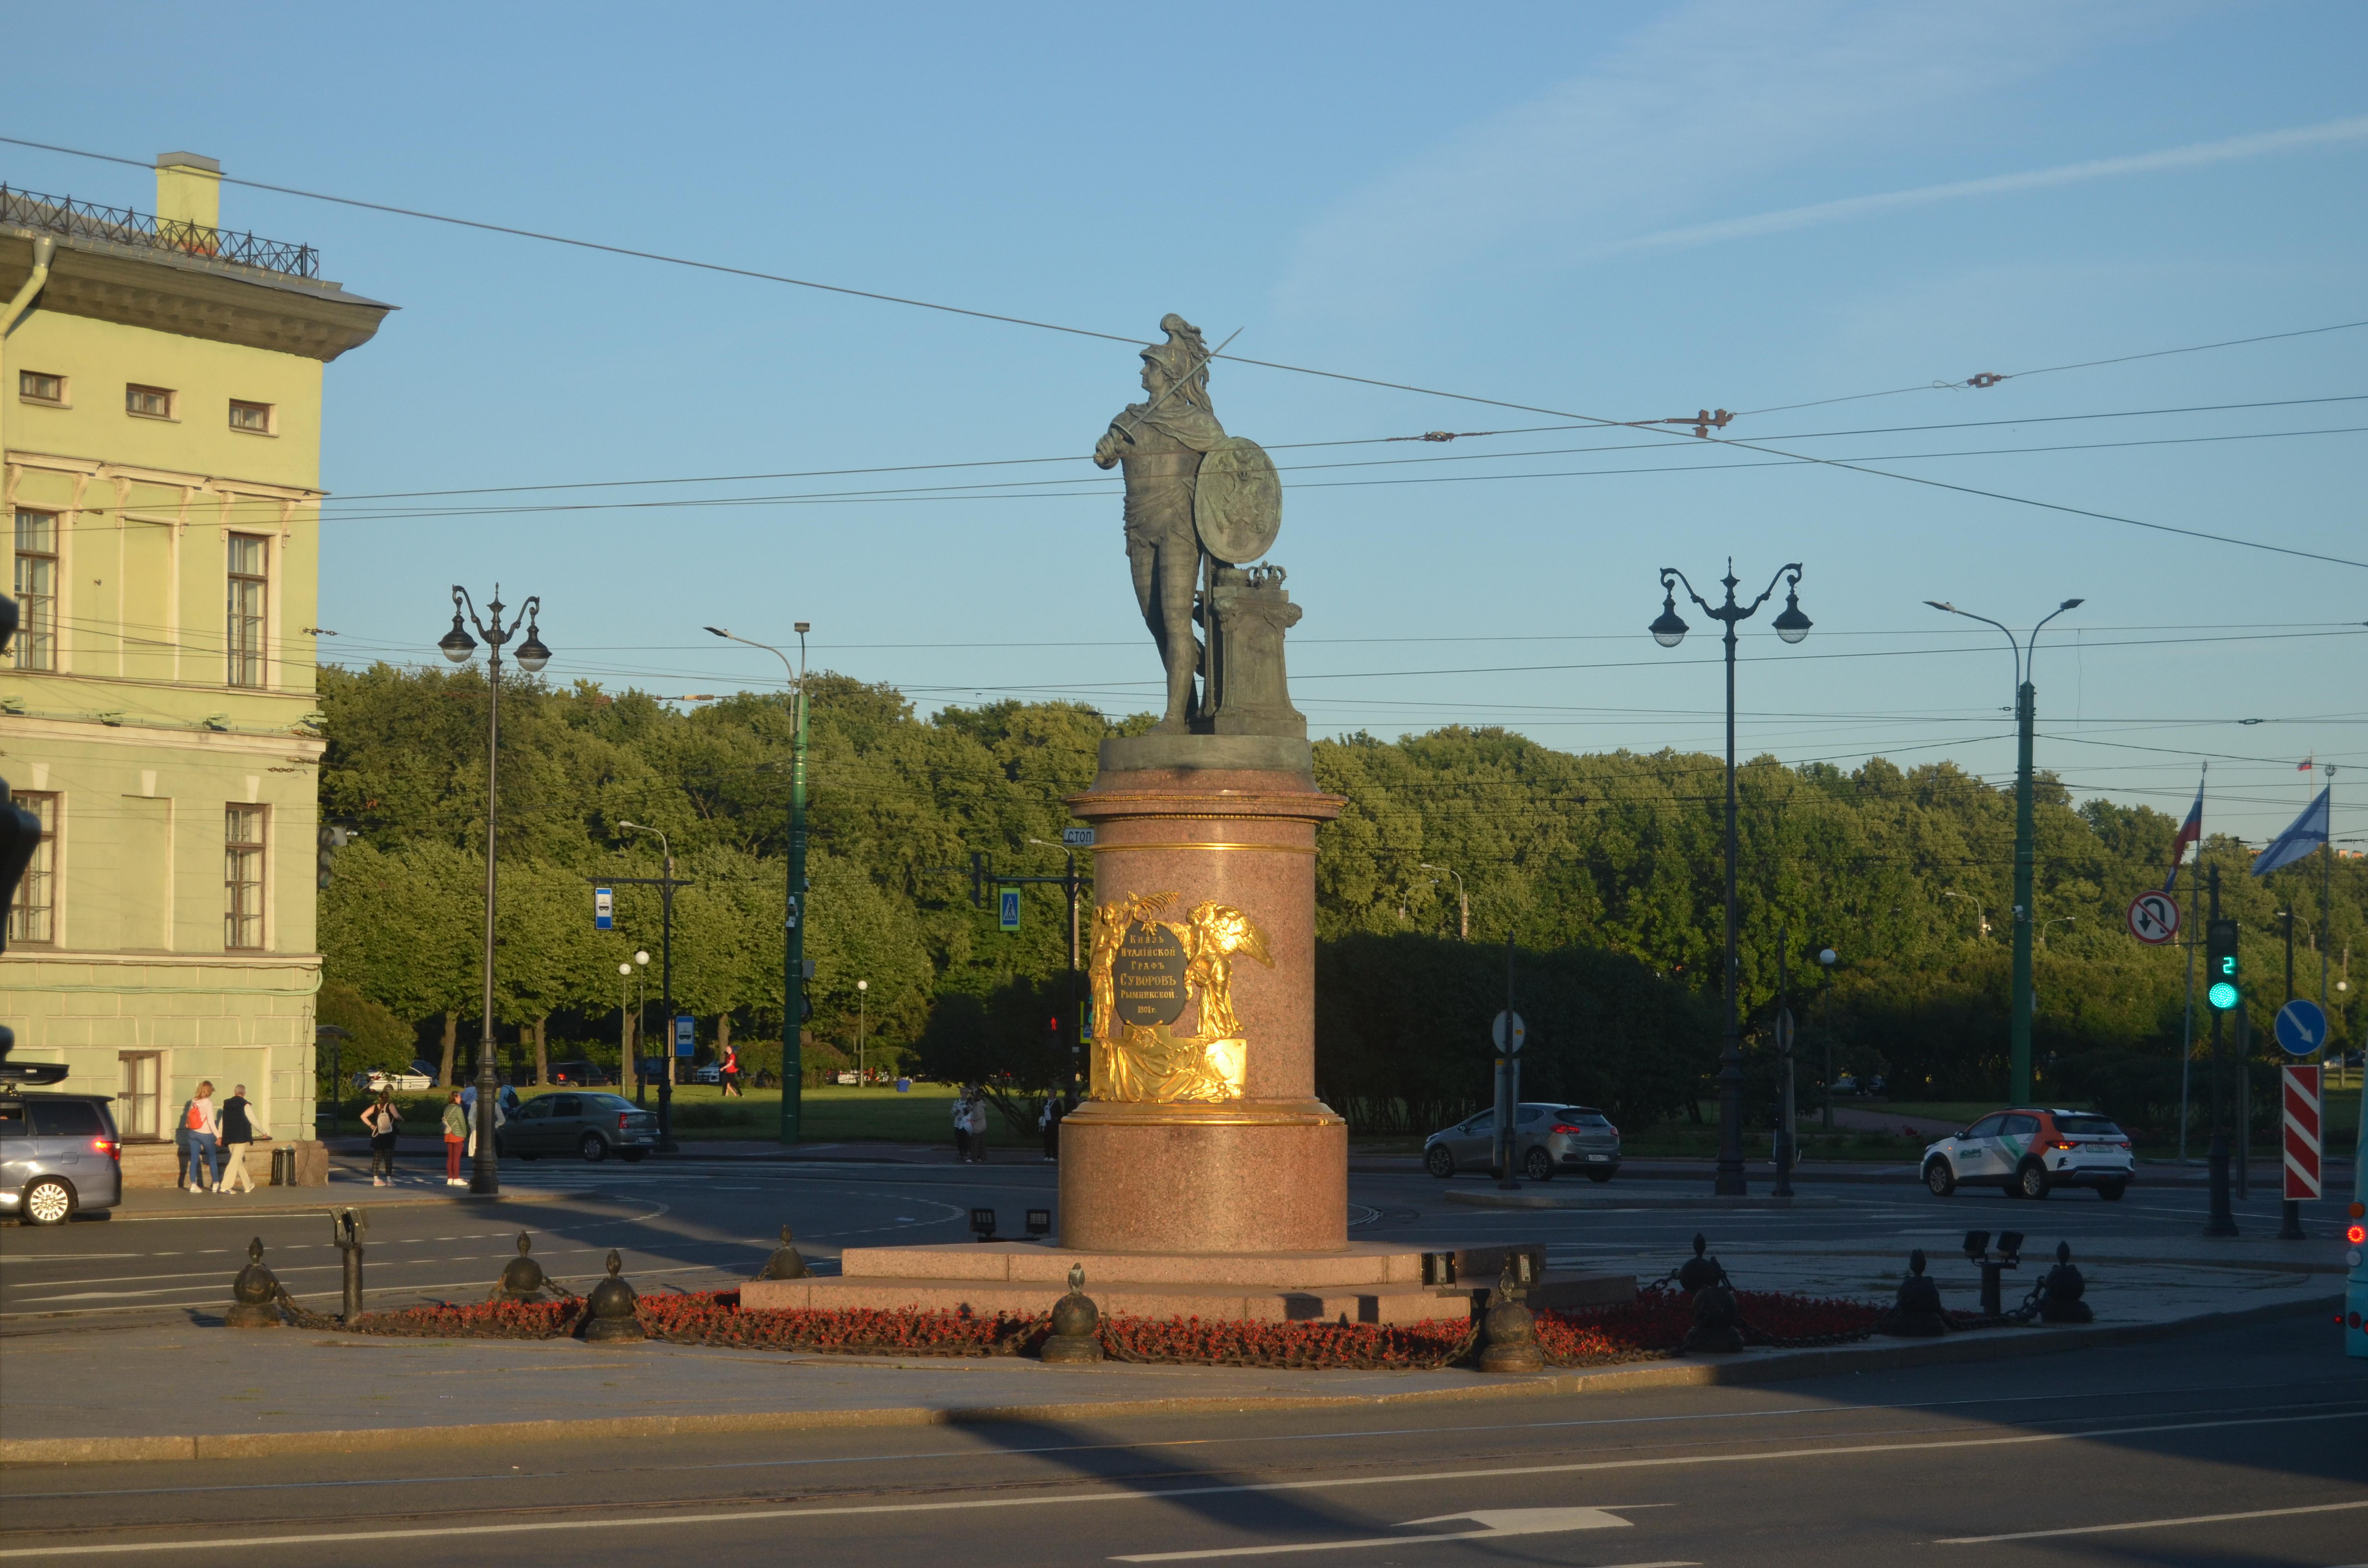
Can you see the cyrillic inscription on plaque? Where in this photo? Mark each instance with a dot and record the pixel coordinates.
(1149, 975)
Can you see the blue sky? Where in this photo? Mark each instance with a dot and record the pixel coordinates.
(1620, 212)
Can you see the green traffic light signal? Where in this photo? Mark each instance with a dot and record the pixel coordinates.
(2220, 958)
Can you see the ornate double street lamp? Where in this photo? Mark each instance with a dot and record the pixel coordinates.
(1669, 630)
(484, 1173)
(2026, 704)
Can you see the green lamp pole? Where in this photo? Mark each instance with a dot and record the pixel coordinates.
(794, 946)
(2026, 705)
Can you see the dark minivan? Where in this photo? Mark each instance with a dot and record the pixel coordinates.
(59, 1155)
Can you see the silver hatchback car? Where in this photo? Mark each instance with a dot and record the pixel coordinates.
(59, 1155)
(1548, 1137)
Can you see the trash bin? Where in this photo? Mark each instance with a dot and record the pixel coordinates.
(283, 1167)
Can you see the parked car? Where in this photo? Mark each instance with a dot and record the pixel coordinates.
(1547, 1138)
(59, 1156)
(593, 1126)
(580, 1072)
(710, 1073)
(421, 1076)
(2030, 1152)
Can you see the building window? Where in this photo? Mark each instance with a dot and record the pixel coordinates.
(255, 418)
(148, 402)
(244, 633)
(37, 591)
(39, 386)
(137, 1117)
(243, 877)
(33, 912)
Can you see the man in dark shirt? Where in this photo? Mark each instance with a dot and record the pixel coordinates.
(237, 1132)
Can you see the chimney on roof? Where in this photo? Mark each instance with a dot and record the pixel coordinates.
(188, 190)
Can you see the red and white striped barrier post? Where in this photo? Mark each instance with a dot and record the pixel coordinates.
(2302, 1141)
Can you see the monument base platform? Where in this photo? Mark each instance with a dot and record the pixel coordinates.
(1365, 1283)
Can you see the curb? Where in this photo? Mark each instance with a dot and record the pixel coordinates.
(323, 1205)
(1775, 1367)
(1493, 1199)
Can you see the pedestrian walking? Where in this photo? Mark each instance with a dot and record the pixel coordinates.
(456, 1138)
(731, 1073)
(237, 1133)
(380, 1119)
(202, 1122)
(961, 1126)
(978, 1129)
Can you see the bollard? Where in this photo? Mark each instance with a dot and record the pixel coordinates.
(255, 1294)
(522, 1277)
(1077, 1325)
(2009, 1256)
(1718, 1323)
(1508, 1333)
(350, 1225)
(2061, 1289)
(1917, 1313)
(1698, 1273)
(786, 1262)
(609, 1313)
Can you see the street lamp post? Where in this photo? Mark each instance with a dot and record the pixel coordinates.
(667, 884)
(2026, 705)
(1981, 915)
(625, 1076)
(1072, 885)
(641, 1012)
(1826, 958)
(793, 945)
(1462, 903)
(484, 1173)
(1668, 631)
(862, 1002)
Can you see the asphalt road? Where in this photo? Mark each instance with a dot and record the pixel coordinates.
(2247, 1446)
(701, 1226)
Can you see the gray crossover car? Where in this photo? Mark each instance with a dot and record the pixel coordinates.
(1547, 1138)
(587, 1123)
(59, 1155)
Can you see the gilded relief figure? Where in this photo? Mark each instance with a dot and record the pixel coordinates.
(1171, 967)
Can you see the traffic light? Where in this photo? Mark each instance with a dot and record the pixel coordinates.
(335, 834)
(2220, 956)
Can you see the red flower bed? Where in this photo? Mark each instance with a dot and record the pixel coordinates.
(1231, 1342)
(481, 1319)
(716, 1318)
(1656, 1322)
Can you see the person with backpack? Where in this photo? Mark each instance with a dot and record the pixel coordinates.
(203, 1125)
(380, 1120)
(237, 1135)
(456, 1137)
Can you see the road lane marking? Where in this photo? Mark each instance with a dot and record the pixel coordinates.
(2151, 1524)
(759, 1516)
(1493, 1522)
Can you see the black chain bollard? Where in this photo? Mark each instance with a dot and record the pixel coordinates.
(255, 1294)
(1916, 1312)
(1508, 1332)
(350, 1224)
(785, 1263)
(2061, 1289)
(1077, 1325)
(522, 1277)
(1698, 1273)
(609, 1310)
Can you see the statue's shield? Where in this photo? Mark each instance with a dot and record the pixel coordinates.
(1237, 504)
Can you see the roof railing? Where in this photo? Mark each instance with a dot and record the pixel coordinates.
(64, 215)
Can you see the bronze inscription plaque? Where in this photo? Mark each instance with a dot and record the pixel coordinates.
(1149, 975)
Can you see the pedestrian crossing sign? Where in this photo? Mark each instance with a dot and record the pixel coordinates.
(1008, 903)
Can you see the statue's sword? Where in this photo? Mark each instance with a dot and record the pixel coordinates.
(1180, 380)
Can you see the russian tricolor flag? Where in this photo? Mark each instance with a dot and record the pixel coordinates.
(2190, 831)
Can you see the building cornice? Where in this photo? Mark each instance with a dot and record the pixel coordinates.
(286, 745)
(192, 297)
(171, 479)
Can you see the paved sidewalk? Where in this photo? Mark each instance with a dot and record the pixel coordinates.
(197, 1390)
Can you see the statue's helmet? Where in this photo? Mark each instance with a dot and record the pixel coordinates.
(1183, 358)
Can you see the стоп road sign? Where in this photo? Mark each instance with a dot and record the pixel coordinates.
(1078, 837)
(2302, 1129)
(2301, 1028)
(2154, 918)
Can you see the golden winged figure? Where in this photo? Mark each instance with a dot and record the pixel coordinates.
(1152, 1062)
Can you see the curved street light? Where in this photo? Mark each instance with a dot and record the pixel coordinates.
(1669, 630)
(485, 1171)
(2026, 705)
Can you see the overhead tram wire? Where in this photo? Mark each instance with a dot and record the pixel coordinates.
(1236, 358)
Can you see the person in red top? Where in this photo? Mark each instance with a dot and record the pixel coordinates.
(731, 1073)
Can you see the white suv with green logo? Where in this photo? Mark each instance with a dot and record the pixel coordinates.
(2031, 1152)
